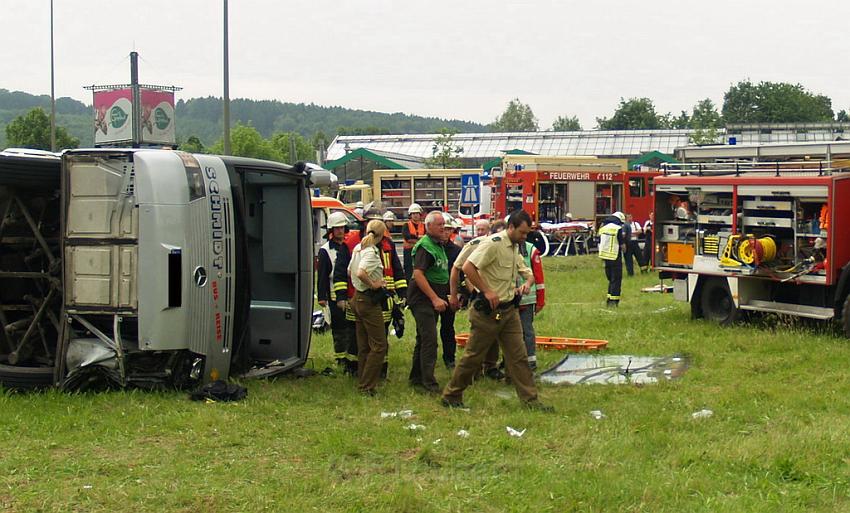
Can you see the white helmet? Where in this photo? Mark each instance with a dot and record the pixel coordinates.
(336, 219)
(389, 216)
(448, 219)
(458, 223)
(359, 204)
(621, 216)
(414, 208)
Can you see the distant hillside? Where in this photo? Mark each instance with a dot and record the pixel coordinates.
(202, 117)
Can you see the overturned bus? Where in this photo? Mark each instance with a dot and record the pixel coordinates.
(152, 268)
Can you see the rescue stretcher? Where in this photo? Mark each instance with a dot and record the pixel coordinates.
(558, 238)
(554, 343)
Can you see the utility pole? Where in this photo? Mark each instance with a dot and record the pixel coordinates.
(137, 99)
(226, 99)
(52, 87)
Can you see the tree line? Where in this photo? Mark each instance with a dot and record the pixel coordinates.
(268, 129)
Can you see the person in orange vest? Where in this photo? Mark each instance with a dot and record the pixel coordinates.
(411, 232)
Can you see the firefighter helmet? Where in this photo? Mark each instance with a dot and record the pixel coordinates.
(414, 208)
(621, 216)
(336, 220)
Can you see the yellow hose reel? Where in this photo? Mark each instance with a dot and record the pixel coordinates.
(762, 250)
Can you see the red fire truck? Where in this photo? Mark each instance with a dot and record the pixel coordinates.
(758, 236)
(588, 188)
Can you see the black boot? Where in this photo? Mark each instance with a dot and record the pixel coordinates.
(351, 367)
(384, 369)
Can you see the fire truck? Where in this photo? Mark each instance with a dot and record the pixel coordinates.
(588, 188)
(757, 236)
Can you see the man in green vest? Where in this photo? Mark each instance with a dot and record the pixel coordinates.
(612, 245)
(427, 297)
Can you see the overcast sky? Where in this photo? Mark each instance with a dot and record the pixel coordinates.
(460, 59)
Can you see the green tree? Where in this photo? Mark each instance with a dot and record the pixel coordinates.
(517, 117)
(634, 114)
(32, 130)
(320, 140)
(445, 154)
(193, 145)
(774, 102)
(706, 121)
(246, 141)
(566, 124)
(842, 117)
(282, 144)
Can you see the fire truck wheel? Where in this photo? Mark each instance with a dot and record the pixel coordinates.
(25, 378)
(717, 303)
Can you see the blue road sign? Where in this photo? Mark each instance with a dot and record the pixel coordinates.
(470, 189)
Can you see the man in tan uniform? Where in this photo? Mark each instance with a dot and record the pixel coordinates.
(492, 268)
(490, 366)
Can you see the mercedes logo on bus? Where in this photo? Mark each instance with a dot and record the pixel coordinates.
(200, 276)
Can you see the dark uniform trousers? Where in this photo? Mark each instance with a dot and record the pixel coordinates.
(371, 340)
(447, 335)
(407, 261)
(633, 252)
(343, 331)
(485, 332)
(614, 273)
(425, 350)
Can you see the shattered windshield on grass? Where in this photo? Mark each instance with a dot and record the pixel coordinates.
(615, 369)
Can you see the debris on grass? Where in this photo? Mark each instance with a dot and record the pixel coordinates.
(435, 442)
(463, 433)
(597, 414)
(513, 432)
(414, 427)
(702, 414)
(615, 369)
(660, 288)
(503, 394)
(402, 414)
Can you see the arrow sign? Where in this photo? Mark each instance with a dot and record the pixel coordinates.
(470, 189)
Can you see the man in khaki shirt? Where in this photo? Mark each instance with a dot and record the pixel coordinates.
(490, 367)
(492, 268)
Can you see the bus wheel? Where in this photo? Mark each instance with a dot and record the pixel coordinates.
(717, 303)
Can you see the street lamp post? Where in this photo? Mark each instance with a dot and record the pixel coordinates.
(52, 88)
(226, 99)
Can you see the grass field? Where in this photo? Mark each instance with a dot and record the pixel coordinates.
(778, 439)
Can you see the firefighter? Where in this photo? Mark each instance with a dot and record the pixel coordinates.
(492, 268)
(633, 231)
(648, 244)
(342, 330)
(389, 220)
(411, 232)
(344, 289)
(428, 299)
(612, 245)
(532, 303)
(396, 283)
(367, 276)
